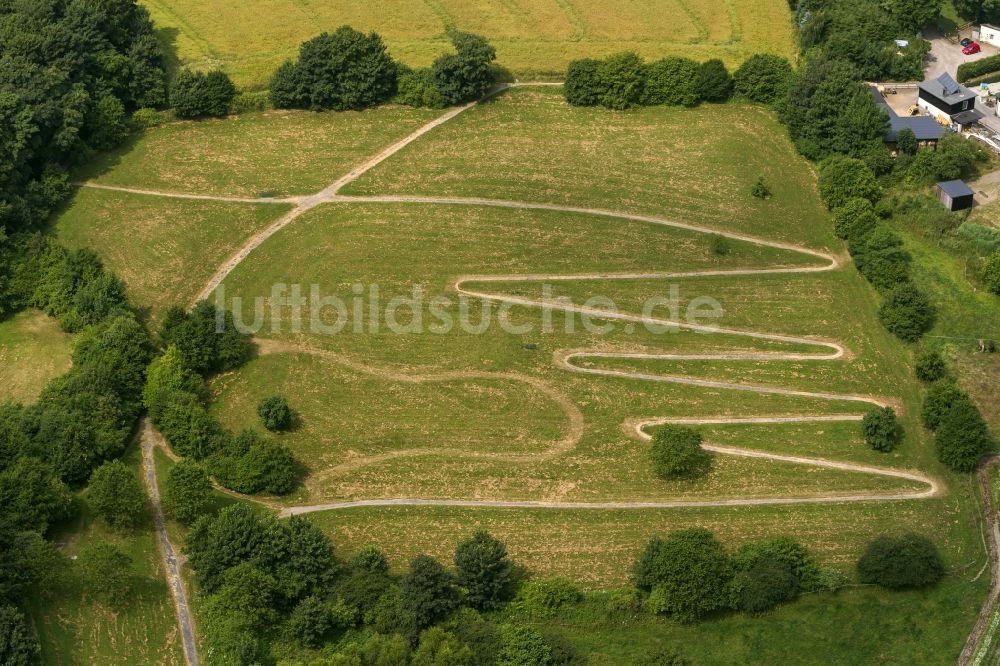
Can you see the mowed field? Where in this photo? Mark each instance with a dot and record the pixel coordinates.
(33, 350)
(532, 37)
(460, 414)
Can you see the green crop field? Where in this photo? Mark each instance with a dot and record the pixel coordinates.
(33, 350)
(532, 37)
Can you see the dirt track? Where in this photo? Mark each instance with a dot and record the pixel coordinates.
(826, 351)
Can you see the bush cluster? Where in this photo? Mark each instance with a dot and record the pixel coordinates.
(961, 436)
(175, 398)
(348, 70)
(267, 580)
(976, 68)
(689, 574)
(623, 80)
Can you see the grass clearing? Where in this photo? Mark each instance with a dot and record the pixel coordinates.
(694, 165)
(532, 37)
(278, 153)
(33, 350)
(164, 249)
(74, 628)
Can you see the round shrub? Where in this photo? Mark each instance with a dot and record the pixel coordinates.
(854, 219)
(620, 77)
(541, 598)
(908, 561)
(672, 81)
(582, 87)
(676, 452)
(938, 401)
(930, 365)
(196, 94)
(763, 78)
(907, 313)
(881, 429)
(880, 257)
(285, 90)
(345, 70)
(275, 413)
(962, 438)
(467, 74)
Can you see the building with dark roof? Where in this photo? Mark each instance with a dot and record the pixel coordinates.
(944, 97)
(955, 195)
(927, 129)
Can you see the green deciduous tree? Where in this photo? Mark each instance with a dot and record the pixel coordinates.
(881, 429)
(938, 401)
(621, 79)
(713, 82)
(763, 78)
(275, 413)
(907, 312)
(930, 365)
(521, 645)
(187, 492)
(991, 273)
(880, 257)
(31, 495)
(18, 643)
(197, 94)
(484, 570)
(467, 74)
(672, 81)
(428, 591)
(116, 495)
(107, 571)
(906, 141)
(438, 647)
(854, 219)
(583, 87)
(844, 178)
(676, 452)
(690, 570)
(962, 438)
(339, 71)
(907, 561)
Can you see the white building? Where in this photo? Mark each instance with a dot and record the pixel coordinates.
(989, 34)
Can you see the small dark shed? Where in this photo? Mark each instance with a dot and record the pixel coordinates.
(955, 195)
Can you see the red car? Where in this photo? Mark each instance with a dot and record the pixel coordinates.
(971, 48)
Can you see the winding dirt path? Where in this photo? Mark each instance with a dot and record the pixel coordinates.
(980, 645)
(149, 439)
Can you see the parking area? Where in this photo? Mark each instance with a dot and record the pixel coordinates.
(946, 56)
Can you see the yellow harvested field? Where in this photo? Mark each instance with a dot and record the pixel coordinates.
(533, 38)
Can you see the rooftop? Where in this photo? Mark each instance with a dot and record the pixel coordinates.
(968, 117)
(946, 89)
(924, 128)
(955, 188)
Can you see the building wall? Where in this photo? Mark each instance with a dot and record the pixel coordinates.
(933, 110)
(989, 34)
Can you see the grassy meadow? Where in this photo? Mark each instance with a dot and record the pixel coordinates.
(532, 37)
(33, 350)
(75, 628)
(164, 249)
(275, 153)
(693, 165)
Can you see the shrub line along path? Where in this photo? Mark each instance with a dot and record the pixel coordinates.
(637, 428)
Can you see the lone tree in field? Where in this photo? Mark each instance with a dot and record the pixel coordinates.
(116, 495)
(908, 561)
(275, 413)
(428, 591)
(483, 570)
(962, 437)
(881, 429)
(760, 190)
(197, 94)
(187, 492)
(688, 573)
(676, 452)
